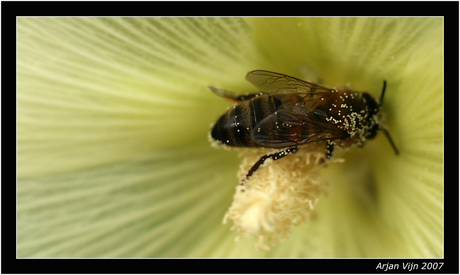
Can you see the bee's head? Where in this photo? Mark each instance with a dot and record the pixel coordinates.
(373, 131)
(372, 106)
(371, 122)
(374, 124)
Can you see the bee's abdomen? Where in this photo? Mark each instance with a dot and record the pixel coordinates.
(235, 126)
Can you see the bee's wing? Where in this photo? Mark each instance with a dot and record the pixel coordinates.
(270, 82)
(285, 129)
(224, 93)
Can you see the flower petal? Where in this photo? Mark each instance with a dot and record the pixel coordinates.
(415, 185)
(360, 51)
(97, 90)
(163, 204)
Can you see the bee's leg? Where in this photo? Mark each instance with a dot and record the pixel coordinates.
(275, 156)
(329, 148)
(232, 95)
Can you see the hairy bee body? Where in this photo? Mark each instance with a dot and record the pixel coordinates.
(350, 118)
(290, 112)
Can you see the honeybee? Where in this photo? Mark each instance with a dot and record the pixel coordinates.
(289, 112)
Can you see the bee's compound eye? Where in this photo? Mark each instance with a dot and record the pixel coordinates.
(372, 132)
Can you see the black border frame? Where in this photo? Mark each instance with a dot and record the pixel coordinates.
(448, 10)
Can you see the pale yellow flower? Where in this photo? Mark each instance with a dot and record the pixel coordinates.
(113, 117)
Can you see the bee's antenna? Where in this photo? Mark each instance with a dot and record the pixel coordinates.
(381, 127)
(390, 140)
(383, 92)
